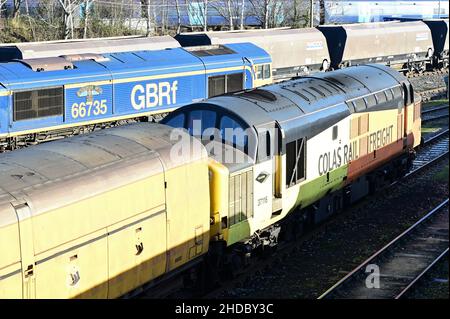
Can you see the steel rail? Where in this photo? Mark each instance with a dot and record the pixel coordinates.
(419, 276)
(369, 260)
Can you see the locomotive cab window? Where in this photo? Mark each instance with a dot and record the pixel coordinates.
(267, 72)
(200, 120)
(38, 103)
(176, 121)
(263, 71)
(233, 133)
(295, 162)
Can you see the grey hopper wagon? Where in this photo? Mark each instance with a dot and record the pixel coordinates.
(34, 50)
(440, 30)
(403, 45)
(293, 51)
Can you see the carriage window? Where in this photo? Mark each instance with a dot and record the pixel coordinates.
(38, 103)
(200, 120)
(232, 132)
(235, 82)
(176, 121)
(295, 161)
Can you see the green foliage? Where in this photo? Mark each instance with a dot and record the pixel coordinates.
(435, 103)
(27, 29)
(97, 28)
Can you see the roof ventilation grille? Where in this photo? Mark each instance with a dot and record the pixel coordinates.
(258, 94)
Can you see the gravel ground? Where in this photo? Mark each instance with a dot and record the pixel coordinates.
(434, 285)
(345, 241)
(428, 81)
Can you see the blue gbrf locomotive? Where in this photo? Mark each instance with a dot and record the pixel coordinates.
(43, 99)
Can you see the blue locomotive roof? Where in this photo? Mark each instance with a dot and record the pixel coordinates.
(124, 64)
(230, 54)
(251, 51)
(18, 76)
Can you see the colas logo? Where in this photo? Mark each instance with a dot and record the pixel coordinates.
(89, 91)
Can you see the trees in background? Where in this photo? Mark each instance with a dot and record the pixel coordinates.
(38, 20)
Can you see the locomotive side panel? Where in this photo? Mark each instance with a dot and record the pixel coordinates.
(157, 94)
(327, 157)
(88, 101)
(137, 244)
(187, 196)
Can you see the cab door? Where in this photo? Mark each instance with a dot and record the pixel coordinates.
(264, 176)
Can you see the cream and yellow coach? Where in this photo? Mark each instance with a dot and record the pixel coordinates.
(98, 215)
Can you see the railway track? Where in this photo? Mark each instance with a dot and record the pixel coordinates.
(398, 266)
(432, 149)
(427, 95)
(435, 113)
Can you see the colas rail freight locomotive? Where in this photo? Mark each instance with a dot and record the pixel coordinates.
(101, 214)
